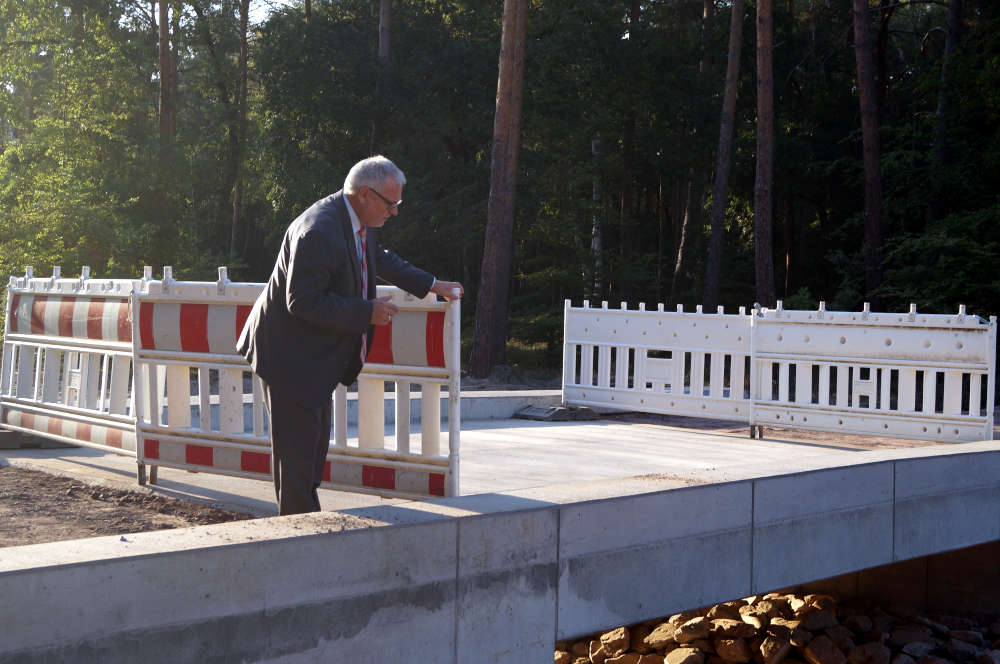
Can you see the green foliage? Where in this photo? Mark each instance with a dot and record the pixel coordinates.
(85, 180)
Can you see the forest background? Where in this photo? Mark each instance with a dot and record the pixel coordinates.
(190, 133)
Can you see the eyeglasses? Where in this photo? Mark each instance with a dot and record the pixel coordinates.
(391, 204)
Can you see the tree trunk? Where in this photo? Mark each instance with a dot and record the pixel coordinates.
(867, 97)
(628, 230)
(239, 145)
(686, 225)
(309, 9)
(596, 240)
(720, 191)
(490, 333)
(166, 85)
(942, 156)
(763, 209)
(384, 30)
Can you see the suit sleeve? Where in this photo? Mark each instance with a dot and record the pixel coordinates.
(397, 271)
(317, 285)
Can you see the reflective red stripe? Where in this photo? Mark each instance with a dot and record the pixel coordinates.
(124, 322)
(378, 478)
(199, 455)
(435, 338)
(242, 313)
(38, 314)
(54, 426)
(151, 448)
(66, 316)
(255, 462)
(326, 472)
(435, 484)
(146, 339)
(113, 438)
(194, 328)
(381, 350)
(82, 431)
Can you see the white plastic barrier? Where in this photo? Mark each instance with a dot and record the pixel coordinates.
(185, 355)
(68, 374)
(67, 361)
(905, 375)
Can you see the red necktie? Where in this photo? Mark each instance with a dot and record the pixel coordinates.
(364, 287)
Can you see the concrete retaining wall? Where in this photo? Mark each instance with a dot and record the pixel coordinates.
(489, 578)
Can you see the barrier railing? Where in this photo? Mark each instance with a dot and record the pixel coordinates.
(190, 400)
(67, 361)
(905, 375)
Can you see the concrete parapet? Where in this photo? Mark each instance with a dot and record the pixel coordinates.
(487, 578)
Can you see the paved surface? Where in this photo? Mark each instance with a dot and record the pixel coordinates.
(514, 454)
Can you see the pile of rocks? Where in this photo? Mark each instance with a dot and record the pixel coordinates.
(791, 629)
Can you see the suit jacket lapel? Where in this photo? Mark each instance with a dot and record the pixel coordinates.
(350, 241)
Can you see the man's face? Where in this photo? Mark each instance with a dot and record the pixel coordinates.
(374, 210)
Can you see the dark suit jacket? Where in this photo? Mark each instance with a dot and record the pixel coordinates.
(303, 335)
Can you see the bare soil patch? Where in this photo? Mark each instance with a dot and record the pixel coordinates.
(37, 507)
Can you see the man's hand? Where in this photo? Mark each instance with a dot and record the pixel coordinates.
(449, 290)
(383, 310)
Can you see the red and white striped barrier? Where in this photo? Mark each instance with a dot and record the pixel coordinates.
(149, 368)
(189, 329)
(66, 371)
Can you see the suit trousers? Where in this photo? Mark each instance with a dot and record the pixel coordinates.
(300, 440)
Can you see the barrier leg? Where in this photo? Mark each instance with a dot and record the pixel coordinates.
(430, 419)
(402, 416)
(371, 413)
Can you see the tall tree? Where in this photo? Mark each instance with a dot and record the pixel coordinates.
(490, 334)
(763, 206)
(723, 160)
(942, 155)
(168, 122)
(867, 97)
(240, 129)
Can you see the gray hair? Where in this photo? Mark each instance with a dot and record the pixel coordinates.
(372, 172)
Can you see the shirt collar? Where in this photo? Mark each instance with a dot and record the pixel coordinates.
(355, 222)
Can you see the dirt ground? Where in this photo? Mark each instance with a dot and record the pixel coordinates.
(37, 507)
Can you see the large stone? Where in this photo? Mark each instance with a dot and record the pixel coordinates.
(637, 638)
(918, 649)
(821, 601)
(725, 628)
(661, 635)
(679, 619)
(563, 657)
(624, 658)
(869, 653)
(904, 634)
(775, 607)
(821, 650)
(704, 645)
(989, 657)
(840, 635)
(615, 642)
(685, 656)
(795, 603)
(881, 621)
(972, 636)
(933, 660)
(902, 658)
(955, 622)
(651, 658)
(597, 652)
(733, 650)
(773, 650)
(580, 649)
(817, 620)
(581, 660)
(727, 610)
(935, 626)
(858, 623)
(692, 630)
(962, 651)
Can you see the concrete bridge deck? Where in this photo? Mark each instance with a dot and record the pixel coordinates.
(562, 529)
(501, 455)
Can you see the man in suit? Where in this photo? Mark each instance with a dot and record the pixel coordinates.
(311, 327)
